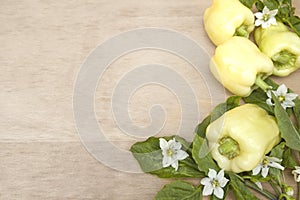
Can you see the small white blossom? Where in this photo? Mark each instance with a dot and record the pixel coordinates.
(266, 164)
(285, 98)
(214, 183)
(266, 18)
(171, 152)
(296, 173)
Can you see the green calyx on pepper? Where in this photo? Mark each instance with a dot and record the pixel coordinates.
(241, 137)
(228, 147)
(240, 66)
(225, 19)
(281, 45)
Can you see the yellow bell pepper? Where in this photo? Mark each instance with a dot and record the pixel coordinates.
(241, 137)
(239, 65)
(281, 45)
(226, 18)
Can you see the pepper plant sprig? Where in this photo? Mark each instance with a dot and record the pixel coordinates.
(227, 162)
(286, 11)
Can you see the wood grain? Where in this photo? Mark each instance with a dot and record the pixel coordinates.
(43, 45)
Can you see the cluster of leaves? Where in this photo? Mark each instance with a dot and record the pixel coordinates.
(286, 12)
(197, 165)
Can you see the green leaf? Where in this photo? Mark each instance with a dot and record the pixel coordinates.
(241, 192)
(179, 190)
(259, 98)
(286, 127)
(202, 156)
(288, 160)
(271, 4)
(278, 150)
(296, 110)
(220, 109)
(217, 112)
(248, 3)
(149, 156)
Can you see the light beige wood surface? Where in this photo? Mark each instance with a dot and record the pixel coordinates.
(43, 45)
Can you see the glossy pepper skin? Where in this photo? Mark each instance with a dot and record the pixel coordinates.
(238, 64)
(226, 18)
(241, 137)
(281, 45)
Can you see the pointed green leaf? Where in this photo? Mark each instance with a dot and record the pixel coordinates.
(202, 156)
(179, 190)
(241, 192)
(286, 127)
(149, 156)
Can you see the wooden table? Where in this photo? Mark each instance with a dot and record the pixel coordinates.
(43, 46)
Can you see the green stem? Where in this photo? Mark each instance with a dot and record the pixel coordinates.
(298, 190)
(242, 31)
(261, 83)
(274, 187)
(228, 147)
(263, 192)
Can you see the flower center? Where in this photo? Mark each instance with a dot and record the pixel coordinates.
(215, 183)
(281, 98)
(266, 17)
(265, 162)
(170, 152)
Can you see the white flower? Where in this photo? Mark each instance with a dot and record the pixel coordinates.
(171, 152)
(214, 183)
(266, 164)
(266, 18)
(286, 99)
(296, 173)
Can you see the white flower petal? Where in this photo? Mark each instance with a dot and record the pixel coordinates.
(175, 165)
(167, 161)
(272, 21)
(266, 10)
(205, 181)
(269, 102)
(281, 90)
(266, 24)
(259, 185)
(219, 192)
(163, 144)
(174, 144)
(287, 104)
(207, 190)
(273, 13)
(259, 22)
(257, 169)
(181, 155)
(269, 93)
(212, 174)
(223, 182)
(265, 171)
(259, 15)
(220, 175)
(291, 96)
(276, 165)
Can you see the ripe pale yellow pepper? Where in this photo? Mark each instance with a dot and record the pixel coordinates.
(241, 137)
(281, 45)
(240, 66)
(226, 18)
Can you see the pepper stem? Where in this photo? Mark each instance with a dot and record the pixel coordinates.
(242, 31)
(284, 59)
(261, 83)
(228, 147)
